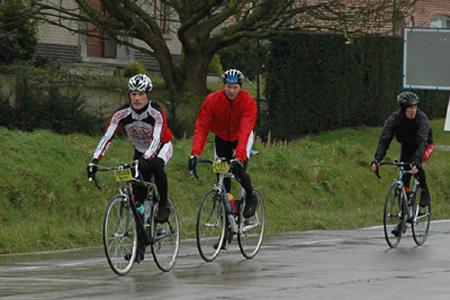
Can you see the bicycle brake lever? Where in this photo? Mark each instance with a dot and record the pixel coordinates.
(237, 178)
(194, 171)
(95, 181)
(377, 172)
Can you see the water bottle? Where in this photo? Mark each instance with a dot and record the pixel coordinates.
(230, 213)
(147, 207)
(232, 202)
(410, 195)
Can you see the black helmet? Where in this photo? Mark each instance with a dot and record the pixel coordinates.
(407, 99)
(233, 76)
(140, 82)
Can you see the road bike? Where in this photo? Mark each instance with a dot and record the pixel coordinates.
(402, 209)
(126, 231)
(217, 222)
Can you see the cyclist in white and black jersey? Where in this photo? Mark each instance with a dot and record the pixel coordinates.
(145, 123)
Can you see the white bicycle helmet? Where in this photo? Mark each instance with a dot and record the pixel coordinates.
(140, 82)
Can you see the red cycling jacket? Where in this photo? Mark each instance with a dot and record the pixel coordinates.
(230, 121)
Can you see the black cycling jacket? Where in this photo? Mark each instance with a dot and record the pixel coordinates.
(416, 134)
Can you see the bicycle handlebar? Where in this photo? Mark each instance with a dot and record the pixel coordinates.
(210, 161)
(200, 160)
(134, 165)
(395, 163)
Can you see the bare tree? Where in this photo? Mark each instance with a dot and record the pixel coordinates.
(206, 26)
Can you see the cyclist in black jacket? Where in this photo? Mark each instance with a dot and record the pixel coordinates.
(413, 131)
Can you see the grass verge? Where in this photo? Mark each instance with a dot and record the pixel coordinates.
(318, 182)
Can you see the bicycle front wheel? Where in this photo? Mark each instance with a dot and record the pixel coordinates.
(251, 230)
(421, 222)
(394, 216)
(211, 225)
(165, 239)
(120, 235)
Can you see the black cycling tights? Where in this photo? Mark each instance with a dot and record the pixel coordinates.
(406, 156)
(226, 149)
(155, 166)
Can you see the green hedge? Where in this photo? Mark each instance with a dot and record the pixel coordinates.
(316, 82)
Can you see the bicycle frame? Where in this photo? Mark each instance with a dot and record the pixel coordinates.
(399, 206)
(126, 234)
(214, 224)
(219, 186)
(126, 191)
(401, 186)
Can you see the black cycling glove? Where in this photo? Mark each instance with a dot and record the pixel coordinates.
(193, 161)
(236, 166)
(92, 168)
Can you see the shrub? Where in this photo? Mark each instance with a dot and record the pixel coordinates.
(42, 103)
(134, 69)
(215, 66)
(7, 113)
(11, 50)
(18, 33)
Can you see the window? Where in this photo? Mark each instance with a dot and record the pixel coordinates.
(160, 14)
(97, 47)
(440, 21)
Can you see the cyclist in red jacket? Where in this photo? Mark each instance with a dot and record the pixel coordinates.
(230, 114)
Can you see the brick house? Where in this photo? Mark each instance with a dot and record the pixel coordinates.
(430, 13)
(65, 47)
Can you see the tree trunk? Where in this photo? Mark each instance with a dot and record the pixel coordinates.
(195, 68)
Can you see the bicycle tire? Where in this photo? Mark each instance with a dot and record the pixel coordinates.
(394, 212)
(165, 239)
(421, 221)
(120, 237)
(211, 225)
(251, 230)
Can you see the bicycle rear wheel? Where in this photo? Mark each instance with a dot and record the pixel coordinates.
(251, 230)
(120, 235)
(211, 225)
(165, 239)
(394, 216)
(421, 223)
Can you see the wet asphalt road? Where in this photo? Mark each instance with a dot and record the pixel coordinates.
(355, 264)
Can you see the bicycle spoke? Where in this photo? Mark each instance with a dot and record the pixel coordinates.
(166, 240)
(210, 226)
(421, 224)
(394, 217)
(119, 236)
(251, 230)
